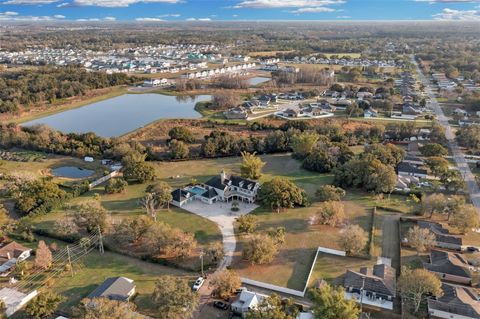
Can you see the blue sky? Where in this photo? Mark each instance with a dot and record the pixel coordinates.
(205, 10)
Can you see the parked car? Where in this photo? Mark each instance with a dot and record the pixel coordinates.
(198, 283)
(473, 249)
(220, 305)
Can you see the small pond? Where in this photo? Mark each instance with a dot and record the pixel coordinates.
(122, 114)
(258, 80)
(72, 172)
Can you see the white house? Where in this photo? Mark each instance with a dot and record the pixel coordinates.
(223, 187)
(246, 301)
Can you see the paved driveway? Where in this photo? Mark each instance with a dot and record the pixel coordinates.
(221, 214)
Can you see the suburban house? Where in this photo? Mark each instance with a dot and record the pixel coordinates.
(223, 188)
(405, 182)
(370, 113)
(246, 301)
(235, 113)
(409, 108)
(290, 113)
(10, 254)
(414, 160)
(407, 169)
(449, 266)
(372, 286)
(443, 238)
(115, 288)
(457, 302)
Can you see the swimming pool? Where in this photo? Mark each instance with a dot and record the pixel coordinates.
(197, 190)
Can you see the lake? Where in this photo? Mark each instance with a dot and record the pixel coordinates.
(122, 114)
(72, 172)
(258, 80)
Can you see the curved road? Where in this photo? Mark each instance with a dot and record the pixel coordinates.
(455, 149)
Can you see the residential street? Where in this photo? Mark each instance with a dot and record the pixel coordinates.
(457, 154)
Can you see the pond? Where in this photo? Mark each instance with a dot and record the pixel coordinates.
(122, 114)
(258, 80)
(72, 172)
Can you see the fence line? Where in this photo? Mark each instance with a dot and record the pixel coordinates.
(103, 179)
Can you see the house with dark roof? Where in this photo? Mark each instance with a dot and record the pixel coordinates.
(449, 266)
(457, 302)
(223, 188)
(443, 238)
(115, 288)
(10, 254)
(371, 286)
(407, 169)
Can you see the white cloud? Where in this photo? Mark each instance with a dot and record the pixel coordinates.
(458, 15)
(173, 15)
(14, 16)
(109, 19)
(112, 3)
(30, 2)
(344, 17)
(146, 19)
(89, 19)
(313, 10)
(286, 3)
(198, 19)
(63, 4)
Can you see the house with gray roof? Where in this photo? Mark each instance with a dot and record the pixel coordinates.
(407, 169)
(457, 302)
(449, 266)
(115, 288)
(224, 187)
(443, 238)
(374, 286)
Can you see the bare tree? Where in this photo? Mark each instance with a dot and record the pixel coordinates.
(150, 204)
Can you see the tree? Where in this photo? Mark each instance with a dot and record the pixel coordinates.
(115, 185)
(280, 193)
(149, 203)
(260, 249)
(416, 285)
(434, 203)
(330, 213)
(43, 256)
(247, 223)
(225, 283)
(465, 219)
(330, 193)
(319, 160)
(162, 193)
(131, 230)
(173, 298)
(273, 307)
(178, 149)
(330, 303)
(302, 144)
(438, 165)
(421, 239)
(277, 234)
(215, 251)
(90, 215)
(104, 308)
(37, 196)
(44, 304)
(139, 171)
(225, 100)
(469, 137)
(181, 133)
(433, 149)
(251, 166)
(353, 239)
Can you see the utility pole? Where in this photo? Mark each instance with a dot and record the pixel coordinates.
(69, 260)
(100, 243)
(361, 297)
(201, 261)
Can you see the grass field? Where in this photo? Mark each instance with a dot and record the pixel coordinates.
(94, 268)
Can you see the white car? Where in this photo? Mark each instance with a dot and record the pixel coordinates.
(198, 283)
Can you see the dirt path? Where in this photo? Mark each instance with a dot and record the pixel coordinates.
(390, 239)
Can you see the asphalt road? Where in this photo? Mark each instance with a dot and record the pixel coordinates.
(457, 153)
